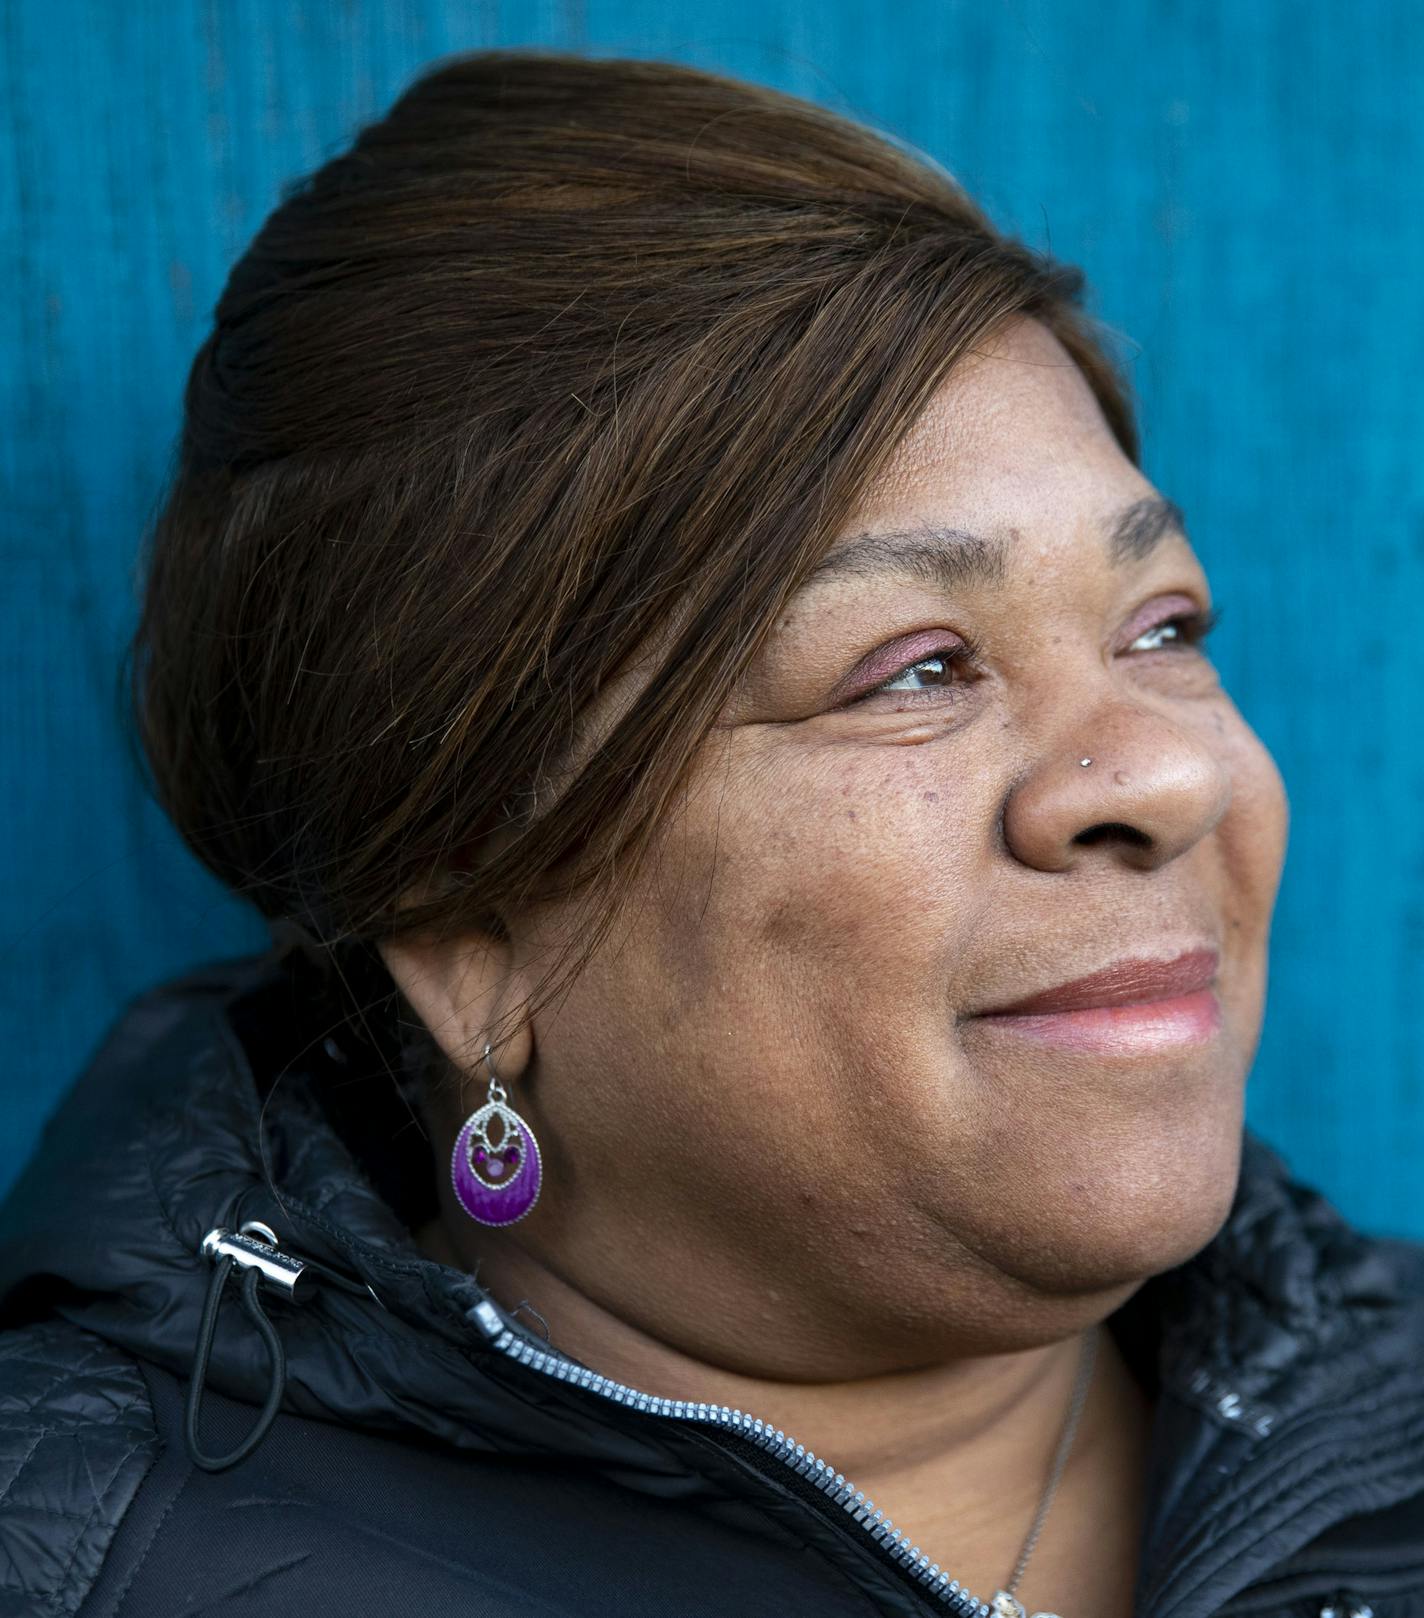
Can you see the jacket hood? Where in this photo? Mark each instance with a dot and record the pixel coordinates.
(239, 1092)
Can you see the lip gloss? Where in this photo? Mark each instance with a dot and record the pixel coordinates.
(1137, 1027)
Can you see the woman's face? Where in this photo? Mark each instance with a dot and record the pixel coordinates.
(775, 1088)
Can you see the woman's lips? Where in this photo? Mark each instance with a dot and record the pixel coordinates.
(1130, 1006)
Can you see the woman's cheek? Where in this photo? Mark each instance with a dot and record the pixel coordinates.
(863, 861)
(1256, 826)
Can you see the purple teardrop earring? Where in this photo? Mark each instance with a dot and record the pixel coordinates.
(497, 1182)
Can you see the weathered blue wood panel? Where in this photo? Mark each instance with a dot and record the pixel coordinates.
(1241, 181)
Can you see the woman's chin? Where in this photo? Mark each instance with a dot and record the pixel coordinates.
(1099, 1211)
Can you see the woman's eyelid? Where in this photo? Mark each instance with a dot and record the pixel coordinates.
(893, 659)
(944, 646)
(1166, 607)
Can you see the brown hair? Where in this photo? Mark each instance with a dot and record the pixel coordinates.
(562, 360)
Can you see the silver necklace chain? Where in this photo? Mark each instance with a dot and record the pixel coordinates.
(1005, 1603)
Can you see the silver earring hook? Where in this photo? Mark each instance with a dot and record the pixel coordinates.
(497, 1091)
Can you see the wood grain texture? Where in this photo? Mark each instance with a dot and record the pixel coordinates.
(1242, 183)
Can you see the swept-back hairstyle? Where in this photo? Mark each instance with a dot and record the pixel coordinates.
(564, 359)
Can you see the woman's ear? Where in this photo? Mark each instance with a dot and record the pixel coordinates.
(466, 991)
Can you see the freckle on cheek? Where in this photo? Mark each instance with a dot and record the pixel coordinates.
(781, 925)
(932, 797)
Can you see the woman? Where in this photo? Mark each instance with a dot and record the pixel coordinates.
(744, 1108)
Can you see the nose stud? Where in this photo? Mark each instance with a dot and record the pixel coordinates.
(1085, 762)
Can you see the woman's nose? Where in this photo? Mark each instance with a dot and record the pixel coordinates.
(1132, 785)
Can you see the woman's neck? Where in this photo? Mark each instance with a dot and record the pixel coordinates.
(957, 1455)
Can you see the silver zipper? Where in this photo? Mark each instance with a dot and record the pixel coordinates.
(834, 1485)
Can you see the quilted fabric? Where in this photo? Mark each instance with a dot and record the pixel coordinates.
(76, 1438)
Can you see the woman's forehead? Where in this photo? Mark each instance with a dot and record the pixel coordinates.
(1014, 430)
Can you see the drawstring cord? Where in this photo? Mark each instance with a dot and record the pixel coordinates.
(254, 1250)
(268, 1333)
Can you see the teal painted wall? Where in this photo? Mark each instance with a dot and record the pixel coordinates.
(1241, 180)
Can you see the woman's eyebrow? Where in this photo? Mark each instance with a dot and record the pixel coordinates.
(952, 558)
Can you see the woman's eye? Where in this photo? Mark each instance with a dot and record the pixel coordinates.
(924, 672)
(1184, 629)
(937, 670)
(946, 668)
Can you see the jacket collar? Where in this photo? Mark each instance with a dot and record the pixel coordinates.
(1285, 1357)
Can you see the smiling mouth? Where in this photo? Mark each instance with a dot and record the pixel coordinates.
(1131, 1007)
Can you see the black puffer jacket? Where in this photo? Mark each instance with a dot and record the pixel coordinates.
(434, 1455)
